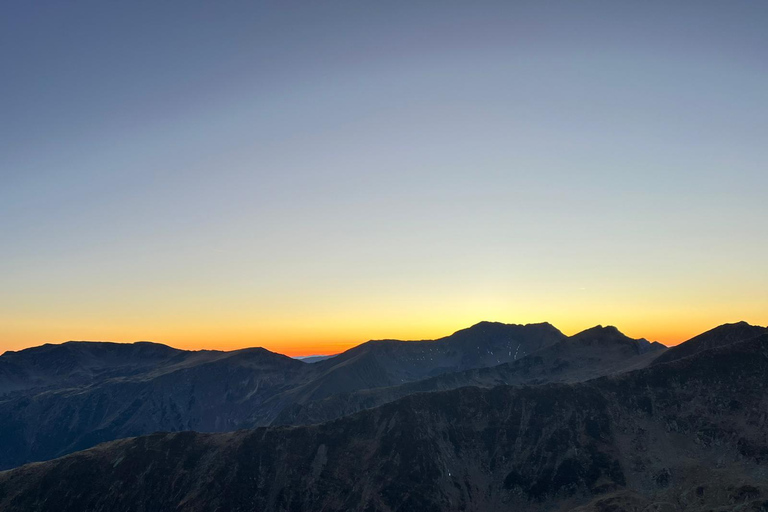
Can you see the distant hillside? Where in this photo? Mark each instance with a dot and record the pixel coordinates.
(685, 435)
(314, 359)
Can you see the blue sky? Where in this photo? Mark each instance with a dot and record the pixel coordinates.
(299, 175)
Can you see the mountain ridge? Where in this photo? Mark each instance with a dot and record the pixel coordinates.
(718, 336)
(636, 440)
(214, 390)
(588, 354)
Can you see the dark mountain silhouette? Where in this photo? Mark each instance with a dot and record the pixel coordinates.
(689, 434)
(383, 363)
(719, 336)
(79, 363)
(589, 354)
(610, 336)
(64, 398)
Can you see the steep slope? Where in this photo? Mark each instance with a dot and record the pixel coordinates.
(592, 353)
(719, 336)
(687, 435)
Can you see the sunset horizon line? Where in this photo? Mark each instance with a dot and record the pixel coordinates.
(345, 345)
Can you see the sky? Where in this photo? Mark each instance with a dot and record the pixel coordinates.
(305, 176)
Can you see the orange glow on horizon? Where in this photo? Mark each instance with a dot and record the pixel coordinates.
(333, 341)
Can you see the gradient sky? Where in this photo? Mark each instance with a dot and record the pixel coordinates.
(305, 176)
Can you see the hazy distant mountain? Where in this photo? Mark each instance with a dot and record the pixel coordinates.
(690, 434)
(592, 353)
(63, 398)
(314, 359)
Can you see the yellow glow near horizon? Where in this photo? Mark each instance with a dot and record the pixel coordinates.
(322, 333)
(330, 317)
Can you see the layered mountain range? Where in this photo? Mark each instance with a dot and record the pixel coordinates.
(57, 399)
(493, 417)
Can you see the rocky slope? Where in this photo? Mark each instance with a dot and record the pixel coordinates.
(690, 434)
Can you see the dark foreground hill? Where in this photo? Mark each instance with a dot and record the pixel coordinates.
(690, 434)
(57, 399)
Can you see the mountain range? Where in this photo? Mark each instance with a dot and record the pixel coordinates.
(492, 417)
(58, 399)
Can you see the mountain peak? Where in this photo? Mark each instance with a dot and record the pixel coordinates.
(599, 330)
(488, 324)
(719, 336)
(612, 336)
(483, 324)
